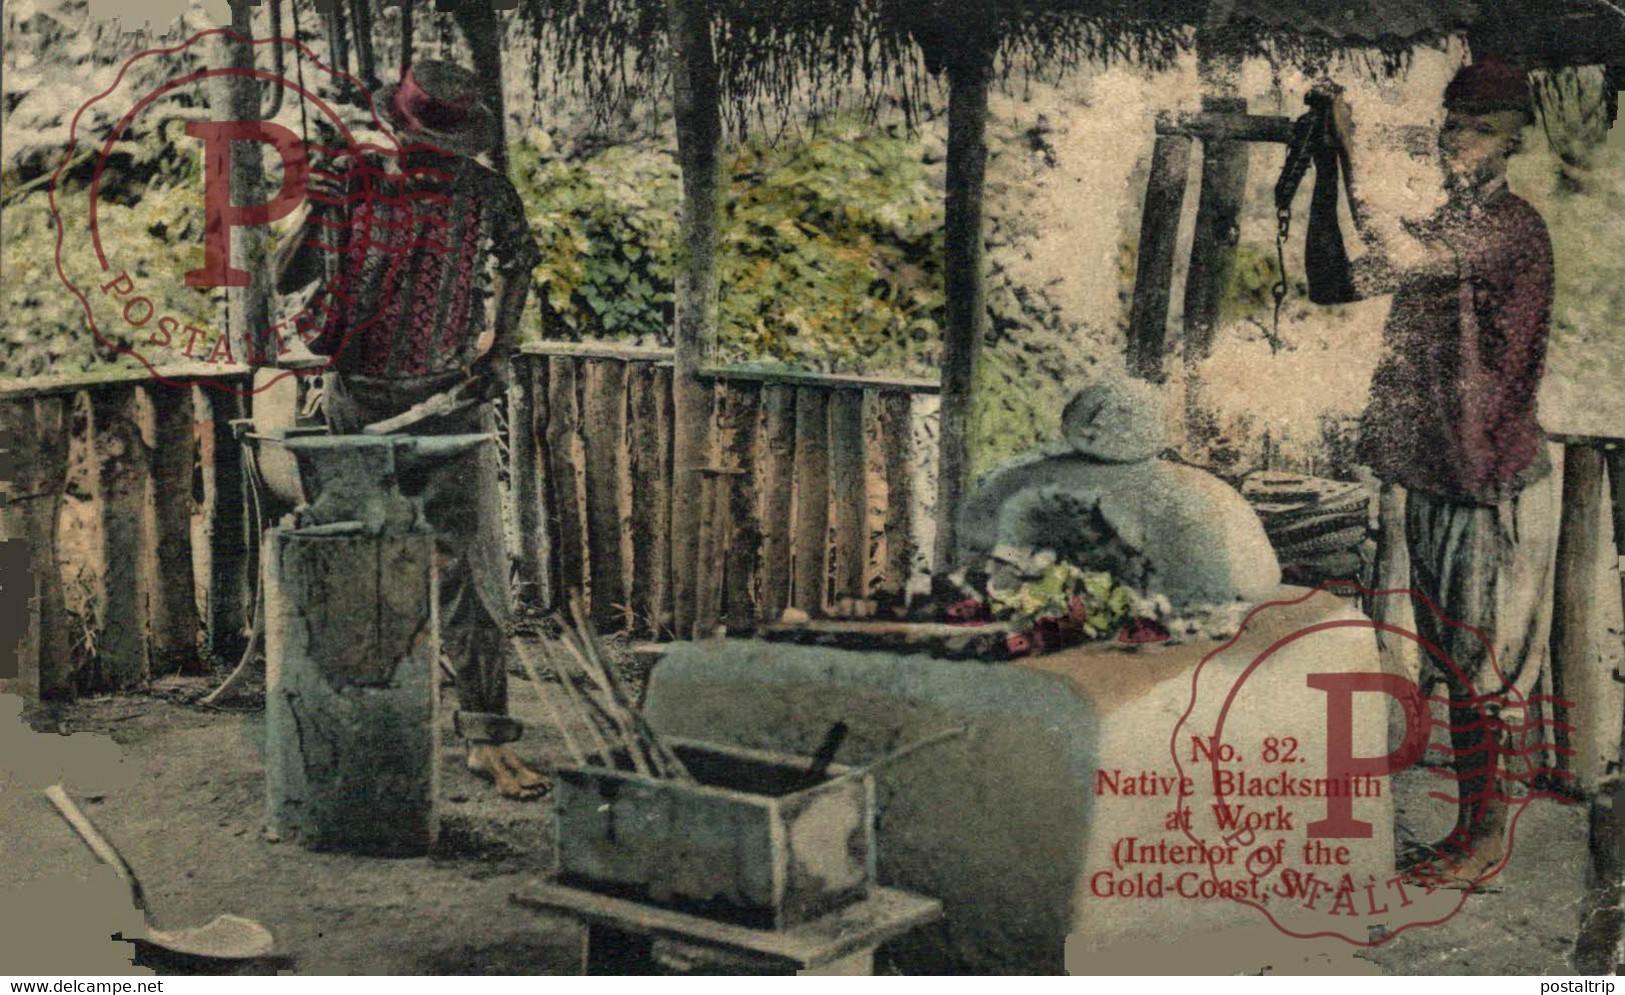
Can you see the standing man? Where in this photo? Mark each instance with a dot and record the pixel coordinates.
(421, 241)
(1452, 419)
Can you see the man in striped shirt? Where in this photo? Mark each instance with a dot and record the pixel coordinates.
(416, 243)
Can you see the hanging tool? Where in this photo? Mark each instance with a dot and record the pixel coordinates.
(1314, 143)
(223, 938)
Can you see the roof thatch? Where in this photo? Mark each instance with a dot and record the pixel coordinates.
(770, 51)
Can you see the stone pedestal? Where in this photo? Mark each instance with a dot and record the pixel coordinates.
(352, 649)
(1020, 828)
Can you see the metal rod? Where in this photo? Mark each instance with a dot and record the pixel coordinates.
(557, 717)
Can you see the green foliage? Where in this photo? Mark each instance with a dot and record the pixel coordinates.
(607, 227)
(1092, 599)
(151, 220)
(829, 251)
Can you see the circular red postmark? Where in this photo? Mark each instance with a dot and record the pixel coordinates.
(151, 292)
(1291, 766)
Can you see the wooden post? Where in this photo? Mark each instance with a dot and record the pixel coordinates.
(603, 433)
(525, 427)
(776, 480)
(366, 65)
(231, 539)
(650, 431)
(168, 529)
(966, 284)
(812, 499)
(1585, 629)
(1154, 265)
(897, 439)
(237, 98)
(36, 434)
(122, 471)
(699, 135)
(563, 484)
(849, 494)
(1213, 256)
(742, 549)
(352, 649)
(1600, 946)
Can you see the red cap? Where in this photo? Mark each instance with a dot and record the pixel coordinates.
(1488, 86)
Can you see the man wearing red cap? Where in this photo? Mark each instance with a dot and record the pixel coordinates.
(420, 240)
(1452, 419)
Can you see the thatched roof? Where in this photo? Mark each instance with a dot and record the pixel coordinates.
(768, 50)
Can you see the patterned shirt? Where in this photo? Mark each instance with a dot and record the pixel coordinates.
(410, 256)
(1453, 401)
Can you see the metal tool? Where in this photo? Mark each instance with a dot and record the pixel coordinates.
(900, 753)
(225, 937)
(447, 402)
(825, 756)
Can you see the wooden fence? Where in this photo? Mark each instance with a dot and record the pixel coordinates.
(810, 492)
(812, 488)
(149, 457)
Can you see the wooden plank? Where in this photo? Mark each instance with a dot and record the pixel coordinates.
(597, 350)
(564, 488)
(775, 485)
(52, 423)
(650, 431)
(886, 914)
(966, 284)
(121, 486)
(811, 550)
(604, 436)
(1218, 231)
(743, 550)
(231, 542)
(804, 378)
(525, 427)
(849, 495)
(168, 526)
(1154, 270)
(1584, 653)
(715, 526)
(897, 443)
(1221, 126)
(225, 374)
(21, 564)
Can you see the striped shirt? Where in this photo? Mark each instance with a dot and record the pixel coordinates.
(411, 257)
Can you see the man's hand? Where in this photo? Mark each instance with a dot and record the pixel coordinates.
(493, 371)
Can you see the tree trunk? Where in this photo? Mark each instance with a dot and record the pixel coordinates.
(699, 135)
(967, 291)
(237, 98)
(351, 651)
(365, 63)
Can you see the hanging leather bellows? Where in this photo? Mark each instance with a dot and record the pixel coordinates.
(1314, 143)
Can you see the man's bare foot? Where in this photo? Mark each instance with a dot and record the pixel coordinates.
(1459, 863)
(502, 766)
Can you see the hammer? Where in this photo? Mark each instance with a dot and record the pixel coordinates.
(447, 402)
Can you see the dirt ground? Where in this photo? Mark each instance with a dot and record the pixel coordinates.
(189, 811)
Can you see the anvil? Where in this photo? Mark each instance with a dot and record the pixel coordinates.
(368, 483)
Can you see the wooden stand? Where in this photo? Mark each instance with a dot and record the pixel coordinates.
(624, 937)
(352, 644)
